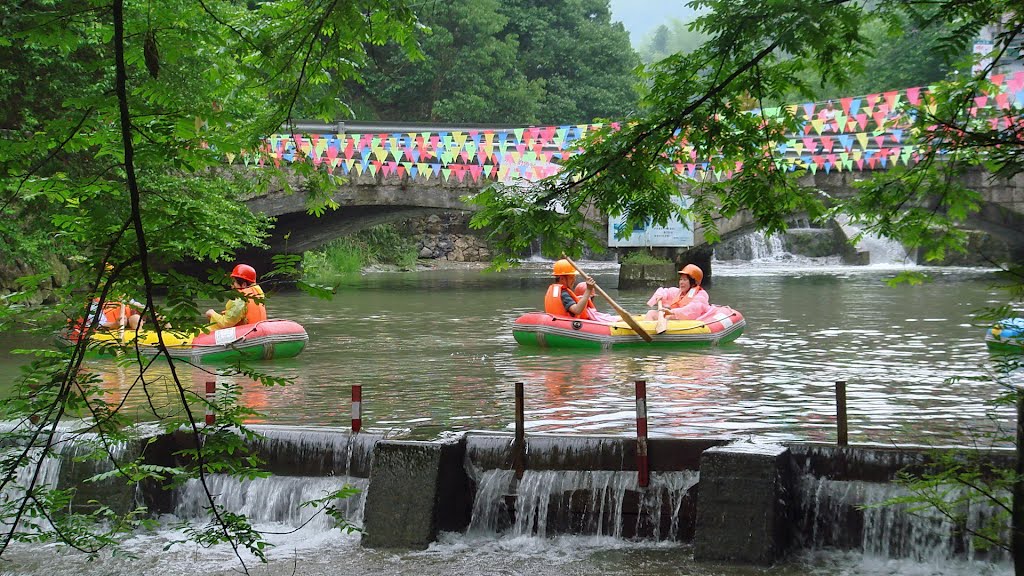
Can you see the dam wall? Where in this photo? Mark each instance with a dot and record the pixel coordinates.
(739, 502)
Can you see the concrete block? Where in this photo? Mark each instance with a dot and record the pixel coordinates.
(742, 503)
(415, 490)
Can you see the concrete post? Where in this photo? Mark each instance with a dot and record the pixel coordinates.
(744, 492)
(416, 489)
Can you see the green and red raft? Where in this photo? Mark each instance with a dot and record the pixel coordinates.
(719, 325)
(264, 340)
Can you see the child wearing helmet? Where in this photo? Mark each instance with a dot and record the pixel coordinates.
(561, 300)
(247, 309)
(689, 302)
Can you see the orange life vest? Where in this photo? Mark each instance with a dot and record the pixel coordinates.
(254, 311)
(111, 316)
(685, 299)
(553, 300)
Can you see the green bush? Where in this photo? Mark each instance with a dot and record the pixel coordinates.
(639, 258)
(346, 257)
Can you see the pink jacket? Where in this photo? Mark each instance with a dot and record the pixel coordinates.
(696, 302)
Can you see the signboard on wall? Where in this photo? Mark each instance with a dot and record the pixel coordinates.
(675, 234)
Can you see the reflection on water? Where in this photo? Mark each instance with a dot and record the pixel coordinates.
(434, 352)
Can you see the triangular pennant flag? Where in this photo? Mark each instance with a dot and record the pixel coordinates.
(891, 98)
(841, 120)
(854, 107)
(914, 95)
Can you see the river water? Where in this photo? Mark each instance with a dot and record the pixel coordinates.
(434, 353)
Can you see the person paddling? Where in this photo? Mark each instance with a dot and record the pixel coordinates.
(247, 309)
(560, 298)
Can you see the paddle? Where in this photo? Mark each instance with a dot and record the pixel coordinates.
(622, 312)
(662, 324)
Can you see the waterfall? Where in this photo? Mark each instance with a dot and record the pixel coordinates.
(880, 250)
(275, 499)
(848, 515)
(602, 503)
(753, 247)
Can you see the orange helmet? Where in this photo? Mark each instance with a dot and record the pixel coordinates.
(580, 288)
(693, 271)
(564, 268)
(244, 272)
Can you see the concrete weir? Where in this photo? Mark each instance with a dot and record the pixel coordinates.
(736, 502)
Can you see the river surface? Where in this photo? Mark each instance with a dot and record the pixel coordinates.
(434, 353)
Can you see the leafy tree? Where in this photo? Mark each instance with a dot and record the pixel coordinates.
(118, 118)
(583, 58)
(770, 50)
(674, 38)
(518, 62)
(470, 74)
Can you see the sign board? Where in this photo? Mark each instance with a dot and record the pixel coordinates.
(675, 234)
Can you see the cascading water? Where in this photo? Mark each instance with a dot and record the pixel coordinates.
(316, 462)
(849, 515)
(276, 499)
(579, 502)
(880, 250)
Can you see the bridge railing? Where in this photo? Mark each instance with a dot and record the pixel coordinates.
(871, 132)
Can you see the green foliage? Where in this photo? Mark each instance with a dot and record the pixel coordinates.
(512, 62)
(328, 505)
(642, 258)
(128, 133)
(768, 52)
(347, 256)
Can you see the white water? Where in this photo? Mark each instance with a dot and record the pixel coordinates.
(881, 250)
(307, 544)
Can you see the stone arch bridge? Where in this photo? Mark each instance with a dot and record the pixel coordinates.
(388, 172)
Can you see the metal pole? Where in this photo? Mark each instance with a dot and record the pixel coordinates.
(643, 472)
(842, 434)
(211, 392)
(519, 442)
(357, 407)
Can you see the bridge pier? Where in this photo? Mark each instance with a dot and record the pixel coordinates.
(634, 276)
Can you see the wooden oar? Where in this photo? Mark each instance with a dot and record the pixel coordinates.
(622, 312)
(662, 324)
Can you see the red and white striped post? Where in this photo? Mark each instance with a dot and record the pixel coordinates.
(642, 470)
(357, 407)
(211, 392)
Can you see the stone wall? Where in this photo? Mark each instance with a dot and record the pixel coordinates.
(12, 268)
(446, 236)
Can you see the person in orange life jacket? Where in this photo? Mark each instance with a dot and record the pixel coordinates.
(247, 309)
(560, 299)
(115, 314)
(689, 303)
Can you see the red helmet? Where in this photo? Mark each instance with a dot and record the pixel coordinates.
(244, 272)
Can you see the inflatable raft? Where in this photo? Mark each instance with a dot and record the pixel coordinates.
(720, 325)
(1007, 335)
(264, 340)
